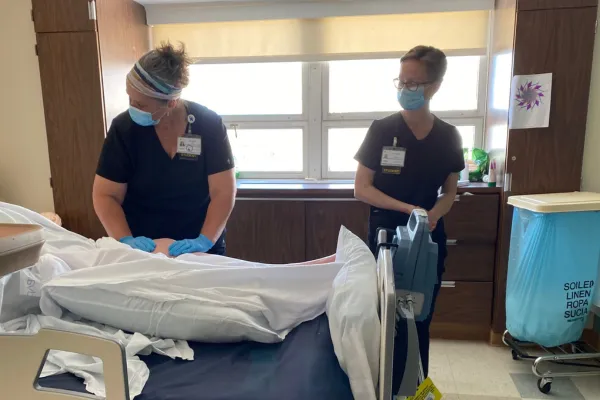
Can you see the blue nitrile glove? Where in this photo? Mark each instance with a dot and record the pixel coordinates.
(141, 243)
(201, 244)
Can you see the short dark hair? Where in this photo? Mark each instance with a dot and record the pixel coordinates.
(434, 60)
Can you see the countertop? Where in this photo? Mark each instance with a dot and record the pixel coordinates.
(266, 189)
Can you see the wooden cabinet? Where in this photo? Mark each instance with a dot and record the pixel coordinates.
(323, 222)
(473, 219)
(464, 306)
(298, 227)
(470, 262)
(286, 231)
(463, 311)
(51, 16)
(74, 123)
(85, 50)
(267, 231)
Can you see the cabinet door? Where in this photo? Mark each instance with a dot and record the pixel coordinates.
(473, 219)
(323, 222)
(267, 231)
(560, 41)
(463, 311)
(72, 94)
(124, 37)
(63, 15)
(470, 262)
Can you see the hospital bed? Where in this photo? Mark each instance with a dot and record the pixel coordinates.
(303, 366)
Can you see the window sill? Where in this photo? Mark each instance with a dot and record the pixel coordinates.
(334, 189)
(302, 189)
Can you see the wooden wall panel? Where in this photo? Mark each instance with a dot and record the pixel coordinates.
(71, 88)
(62, 16)
(124, 37)
(559, 41)
(323, 222)
(267, 231)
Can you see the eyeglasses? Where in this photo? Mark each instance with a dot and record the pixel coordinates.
(410, 86)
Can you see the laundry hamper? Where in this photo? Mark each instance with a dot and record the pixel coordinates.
(553, 266)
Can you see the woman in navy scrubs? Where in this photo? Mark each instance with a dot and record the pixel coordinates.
(166, 168)
(407, 157)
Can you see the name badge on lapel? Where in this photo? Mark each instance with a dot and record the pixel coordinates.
(392, 159)
(189, 147)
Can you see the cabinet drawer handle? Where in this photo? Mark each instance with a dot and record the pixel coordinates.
(448, 284)
(451, 242)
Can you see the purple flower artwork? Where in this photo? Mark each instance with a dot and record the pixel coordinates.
(529, 95)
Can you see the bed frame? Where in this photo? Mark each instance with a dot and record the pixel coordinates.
(27, 353)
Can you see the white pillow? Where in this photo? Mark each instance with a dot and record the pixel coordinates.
(352, 309)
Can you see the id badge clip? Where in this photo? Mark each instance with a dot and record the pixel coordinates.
(392, 158)
(189, 146)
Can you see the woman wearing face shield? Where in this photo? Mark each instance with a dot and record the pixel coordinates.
(406, 158)
(166, 168)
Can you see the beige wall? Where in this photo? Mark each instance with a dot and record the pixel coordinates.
(24, 165)
(591, 156)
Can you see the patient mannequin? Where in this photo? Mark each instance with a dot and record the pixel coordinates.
(162, 246)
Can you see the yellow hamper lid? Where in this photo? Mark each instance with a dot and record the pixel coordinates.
(557, 202)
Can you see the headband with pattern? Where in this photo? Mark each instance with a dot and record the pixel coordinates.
(151, 86)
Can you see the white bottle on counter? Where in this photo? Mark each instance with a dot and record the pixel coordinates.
(492, 174)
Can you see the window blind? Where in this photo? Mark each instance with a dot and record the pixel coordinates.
(329, 38)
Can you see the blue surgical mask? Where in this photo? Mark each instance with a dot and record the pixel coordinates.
(142, 118)
(411, 101)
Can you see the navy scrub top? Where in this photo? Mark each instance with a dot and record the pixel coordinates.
(427, 165)
(166, 198)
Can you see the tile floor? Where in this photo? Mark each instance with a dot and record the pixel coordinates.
(477, 371)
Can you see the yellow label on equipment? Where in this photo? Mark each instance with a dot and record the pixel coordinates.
(427, 391)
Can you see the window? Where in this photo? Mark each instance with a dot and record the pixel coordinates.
(342, 145)
(248, 89)
(292, 120)
(267, 150)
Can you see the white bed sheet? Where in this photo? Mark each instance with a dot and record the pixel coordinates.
(209, 298)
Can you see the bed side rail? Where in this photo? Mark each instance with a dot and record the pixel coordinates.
(387, 315)
(22, 358)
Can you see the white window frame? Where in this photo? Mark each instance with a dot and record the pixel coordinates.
(232, 126)
(353, 123)
(277, 117)
(315, 120)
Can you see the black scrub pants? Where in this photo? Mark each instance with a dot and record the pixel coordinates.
(219, 247)
(391, 220)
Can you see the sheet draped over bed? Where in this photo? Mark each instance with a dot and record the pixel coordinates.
(89, 368)
(201, 298)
